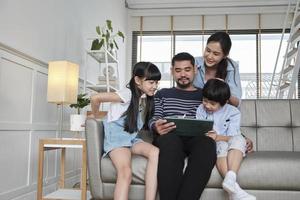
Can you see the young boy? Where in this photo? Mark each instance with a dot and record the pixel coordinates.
(231, 145)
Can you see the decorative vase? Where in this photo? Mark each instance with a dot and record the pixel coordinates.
(77, 122)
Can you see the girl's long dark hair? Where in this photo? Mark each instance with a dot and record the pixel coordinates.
(225, 42)
(148, 71)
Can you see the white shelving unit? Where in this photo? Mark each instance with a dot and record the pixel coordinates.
(108, 80)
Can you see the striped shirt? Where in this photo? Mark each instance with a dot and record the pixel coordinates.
(175, 102)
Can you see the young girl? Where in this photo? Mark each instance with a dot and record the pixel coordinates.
(129, 112)
(231, 145)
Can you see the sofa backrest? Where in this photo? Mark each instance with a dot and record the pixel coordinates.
(272, 124)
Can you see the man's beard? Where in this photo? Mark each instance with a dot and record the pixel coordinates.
(183, 86)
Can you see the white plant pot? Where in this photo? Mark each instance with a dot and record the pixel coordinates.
(76, 122)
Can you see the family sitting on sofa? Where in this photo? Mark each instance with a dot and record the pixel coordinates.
(206, 88)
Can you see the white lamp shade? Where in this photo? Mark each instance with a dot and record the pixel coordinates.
(62, 82)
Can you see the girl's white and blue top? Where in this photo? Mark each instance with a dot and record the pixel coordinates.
(114, 134)
(226, 120)
(232, 78)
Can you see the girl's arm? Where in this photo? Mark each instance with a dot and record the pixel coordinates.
(97, 99)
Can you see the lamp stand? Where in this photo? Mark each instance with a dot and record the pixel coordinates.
(60, 120)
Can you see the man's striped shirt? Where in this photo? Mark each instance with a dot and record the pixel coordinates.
(175, 102)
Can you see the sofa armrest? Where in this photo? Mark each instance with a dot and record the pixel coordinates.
(94, 133)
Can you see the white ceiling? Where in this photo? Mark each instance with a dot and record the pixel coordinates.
(169, 4)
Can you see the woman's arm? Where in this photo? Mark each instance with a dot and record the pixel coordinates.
(97, 99)
(234, 81)
(234, 101)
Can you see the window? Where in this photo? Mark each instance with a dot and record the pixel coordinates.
(243, 51)
(157, 49)
(268, 61)
(256, 75)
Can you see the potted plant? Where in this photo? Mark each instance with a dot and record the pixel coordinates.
(107, 38)
(77, 120)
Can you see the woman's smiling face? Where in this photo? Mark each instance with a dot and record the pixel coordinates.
(213, 54)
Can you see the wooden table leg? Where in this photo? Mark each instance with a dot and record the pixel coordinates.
(40, 171)
(83, 172)
(62, 168)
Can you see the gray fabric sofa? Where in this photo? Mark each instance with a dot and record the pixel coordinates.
(272, 172)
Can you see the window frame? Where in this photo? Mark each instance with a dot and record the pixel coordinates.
(255, 32)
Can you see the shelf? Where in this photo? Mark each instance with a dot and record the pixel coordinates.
(295, 37)
(288, 69)
(99, 55)
(101, 88)
(291, 54)
(66, 194)
(285, 86)
(108, 77)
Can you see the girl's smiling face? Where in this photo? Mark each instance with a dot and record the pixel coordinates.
(148, 87)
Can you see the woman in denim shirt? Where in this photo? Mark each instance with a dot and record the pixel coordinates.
(216, 64)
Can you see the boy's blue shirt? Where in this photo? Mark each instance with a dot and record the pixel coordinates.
(226, 120)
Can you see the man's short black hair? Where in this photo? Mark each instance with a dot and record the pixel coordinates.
(216, 90)
(183, 56)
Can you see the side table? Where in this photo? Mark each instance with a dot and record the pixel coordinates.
(62, 144)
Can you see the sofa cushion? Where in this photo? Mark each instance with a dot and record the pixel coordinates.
(274, 139)
(267, 170)
(248, 110)
(273, 113)
(296, 138)
(277, 170)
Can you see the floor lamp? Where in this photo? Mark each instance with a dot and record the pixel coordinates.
(62, 86)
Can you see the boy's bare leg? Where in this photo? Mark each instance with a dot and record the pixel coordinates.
(222, 165)
(234, 160)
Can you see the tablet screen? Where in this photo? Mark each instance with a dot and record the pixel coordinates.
(190, 127)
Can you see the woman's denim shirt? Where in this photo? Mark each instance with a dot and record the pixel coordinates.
(232, 78)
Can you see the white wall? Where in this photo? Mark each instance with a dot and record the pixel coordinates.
(56, 29)
(45, 30)
(38, 28)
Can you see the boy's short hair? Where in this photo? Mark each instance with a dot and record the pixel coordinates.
(183, 56)
(216, 90)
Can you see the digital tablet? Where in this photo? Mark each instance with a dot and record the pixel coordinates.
(190, 127)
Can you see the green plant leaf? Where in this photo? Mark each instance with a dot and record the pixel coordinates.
(111, 45)
(98, 30)
(107, 36)
(82, 101)
(121, 35)
(101, 43)
(109, 25)
(116, 44)
(96, 45)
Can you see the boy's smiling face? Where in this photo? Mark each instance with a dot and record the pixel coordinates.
(211, 106)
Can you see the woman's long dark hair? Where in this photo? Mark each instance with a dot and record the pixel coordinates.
(225, 42)
(148, 71)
